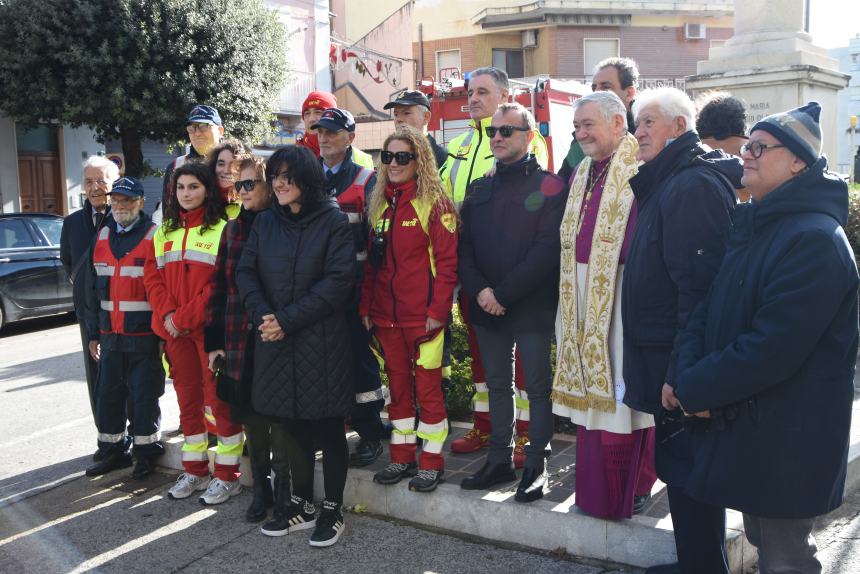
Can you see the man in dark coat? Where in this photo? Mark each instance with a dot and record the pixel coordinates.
(509, 256)
(769, 358)
(79, 228)
(685, 198)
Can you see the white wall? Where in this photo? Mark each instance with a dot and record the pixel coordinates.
(9, 190)
(78, 145)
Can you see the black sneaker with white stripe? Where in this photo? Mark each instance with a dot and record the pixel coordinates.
(300, 515)
(329, 525)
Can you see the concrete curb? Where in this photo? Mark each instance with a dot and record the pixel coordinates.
(494, 516)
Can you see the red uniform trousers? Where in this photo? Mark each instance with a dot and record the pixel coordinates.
(406, 379)
(194, 384)
(481, 414)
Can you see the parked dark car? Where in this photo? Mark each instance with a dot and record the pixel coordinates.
(33, 282)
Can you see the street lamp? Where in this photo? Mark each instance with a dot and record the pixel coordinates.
(853, 122)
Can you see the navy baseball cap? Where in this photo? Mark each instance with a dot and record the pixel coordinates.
(127, 186)
(409, 98)
(335, 119)
(204, 115)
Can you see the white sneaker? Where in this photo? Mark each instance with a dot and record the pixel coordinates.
(220, 491)
(186, 485)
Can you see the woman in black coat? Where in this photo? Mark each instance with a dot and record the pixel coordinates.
(295, 276)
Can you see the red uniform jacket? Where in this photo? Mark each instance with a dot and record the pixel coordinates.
(403, 291)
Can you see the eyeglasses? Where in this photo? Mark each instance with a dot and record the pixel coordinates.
(756, 148)
(246, 185)
(284, 177)
(506, 131)
(197, 128)
(97, 182)
(402, 157)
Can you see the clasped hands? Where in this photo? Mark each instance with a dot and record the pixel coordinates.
(671, 402)
(487, 300)
(171, 329)
(270, 330)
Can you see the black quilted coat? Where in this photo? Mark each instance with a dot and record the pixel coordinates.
(302, 270)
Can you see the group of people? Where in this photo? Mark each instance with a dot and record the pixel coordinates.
(694, 277)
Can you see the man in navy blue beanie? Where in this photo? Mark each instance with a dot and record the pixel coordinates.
(766, 363)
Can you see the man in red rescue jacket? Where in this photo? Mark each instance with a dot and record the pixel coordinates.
(118, 316)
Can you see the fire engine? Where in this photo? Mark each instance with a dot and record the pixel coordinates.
(550, 100)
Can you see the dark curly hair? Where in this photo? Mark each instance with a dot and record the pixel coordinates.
(214, 208)
(235, 147)
(305, 170)
(720, 116)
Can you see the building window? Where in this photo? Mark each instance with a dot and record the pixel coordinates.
(511, 61)
(448, 64)
(855, 62)
(597, 49)
(718, 43)
(854, 93)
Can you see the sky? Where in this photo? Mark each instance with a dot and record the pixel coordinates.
(834, 22)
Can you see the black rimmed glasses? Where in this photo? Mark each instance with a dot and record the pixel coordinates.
(506, 131)
(756, 148)
(246, 185)
(401, 157)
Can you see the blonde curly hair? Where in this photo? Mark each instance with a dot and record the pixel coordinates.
(429, 186)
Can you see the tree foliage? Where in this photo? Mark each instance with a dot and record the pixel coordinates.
(131, 69)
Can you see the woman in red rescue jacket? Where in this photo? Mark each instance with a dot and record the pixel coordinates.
(406, 297)
(178, 278)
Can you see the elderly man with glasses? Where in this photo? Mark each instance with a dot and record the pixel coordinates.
(508, 264)
(685, 197)
(79, 228)
(769, 358)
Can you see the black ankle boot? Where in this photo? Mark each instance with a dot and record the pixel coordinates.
(263, 497)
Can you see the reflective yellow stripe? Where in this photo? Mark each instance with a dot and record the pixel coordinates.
(436, 432)
(430, 352)
(229, 449)
(433, 446)
(481, 388)
(172, 257)
(522, 404)
(151, 233)
(446, 372)
(403, 431)
(481, 400)
(199, 257)
(207, 412)
(131, 271)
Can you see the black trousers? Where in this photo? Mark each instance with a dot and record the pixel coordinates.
(130, 384)
(267, 446)
(364, 416)
(303, 436)
(91, 367)
(700, 534)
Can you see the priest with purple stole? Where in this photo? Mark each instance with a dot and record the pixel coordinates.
(614, 444)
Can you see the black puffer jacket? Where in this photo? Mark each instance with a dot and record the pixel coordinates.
(302, 270)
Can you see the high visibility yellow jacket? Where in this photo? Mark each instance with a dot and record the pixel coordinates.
(470, 157)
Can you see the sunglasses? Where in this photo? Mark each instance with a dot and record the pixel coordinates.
(506, 131)
(246, 184)
(402, 157)
(284, 177)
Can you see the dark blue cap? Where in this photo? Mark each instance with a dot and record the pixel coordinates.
(127, 186)
(335, 119)
(204, 115)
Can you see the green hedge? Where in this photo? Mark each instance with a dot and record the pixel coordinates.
(852, 229)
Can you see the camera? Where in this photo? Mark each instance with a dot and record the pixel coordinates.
(376, 254)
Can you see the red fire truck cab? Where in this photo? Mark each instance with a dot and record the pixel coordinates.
(550, 100)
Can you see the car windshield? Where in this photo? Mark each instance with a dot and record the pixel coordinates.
(52, 227)
(14, 234)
